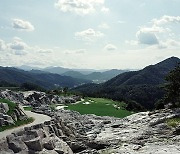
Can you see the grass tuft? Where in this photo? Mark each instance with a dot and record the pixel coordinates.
(10, 104)
(174, 122)
(17, 124)
(28, 108)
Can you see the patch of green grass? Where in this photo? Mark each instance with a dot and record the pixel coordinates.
(101, 107)
(53, 107)
(17, 124)
(174, 122)
(28, 108)
(10, 104)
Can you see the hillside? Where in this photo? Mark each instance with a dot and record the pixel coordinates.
(96, 77)
(45, 80)
(143, 86)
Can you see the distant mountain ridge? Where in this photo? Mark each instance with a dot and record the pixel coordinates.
(97, 76)
(43, 79)
(56, 70)
(142, 86)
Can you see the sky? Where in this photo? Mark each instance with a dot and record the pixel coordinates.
(96, 34)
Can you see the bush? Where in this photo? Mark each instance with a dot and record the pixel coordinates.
(159, 105)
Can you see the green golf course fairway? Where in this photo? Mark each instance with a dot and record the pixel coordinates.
(100, 107)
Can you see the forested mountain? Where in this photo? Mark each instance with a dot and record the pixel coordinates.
(97, 77)
(45, 80)
(61, 70)
(143, 86)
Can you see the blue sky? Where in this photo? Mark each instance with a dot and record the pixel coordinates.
(99, 34)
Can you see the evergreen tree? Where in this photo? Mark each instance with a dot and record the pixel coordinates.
(173, 87)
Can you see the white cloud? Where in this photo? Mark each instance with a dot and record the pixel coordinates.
(131, 42)
(89, 35)
(45, 51)
(81, 7)
(2, 45)
(17, 44)
(110, 47)
(78, 51)
(121, 22)
(166, 19)
(104, 26)
(105, 9)
(158, 33)
(20, 24)
(169, 43)
(20, 52)
(20, 48)
(147, 38)
(155, 29)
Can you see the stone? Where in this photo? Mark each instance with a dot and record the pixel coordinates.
(17, 145)
(34, 144)
(7, 152)
(4, 106)
(177, 131)
(48, 143)
(48, 152)
(1, 121)
(4, 145)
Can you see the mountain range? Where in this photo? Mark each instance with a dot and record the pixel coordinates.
(96, 76)
(43, 79)
(143, 86)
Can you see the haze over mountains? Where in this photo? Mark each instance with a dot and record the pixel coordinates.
(143, 86)
(96, 76)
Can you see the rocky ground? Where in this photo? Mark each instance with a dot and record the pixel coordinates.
(38, 118)
(36, 99)
(69, 132)
(145, 132)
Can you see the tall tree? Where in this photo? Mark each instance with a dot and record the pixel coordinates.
(173, 87)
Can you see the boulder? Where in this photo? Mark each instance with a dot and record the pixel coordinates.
(61, 147)
(4, 106)
(1, 121)
(34, 144)
(177, 131)
(5, 147)
(17, 145)
(48, 143)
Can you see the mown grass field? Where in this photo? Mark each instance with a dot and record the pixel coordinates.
(100, 107)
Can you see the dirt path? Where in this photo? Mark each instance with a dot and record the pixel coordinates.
(39, 118)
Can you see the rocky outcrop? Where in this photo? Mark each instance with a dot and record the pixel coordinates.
(36, 99)
(144, 133)
(53, 136)
(10, 119)
(69, 132)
